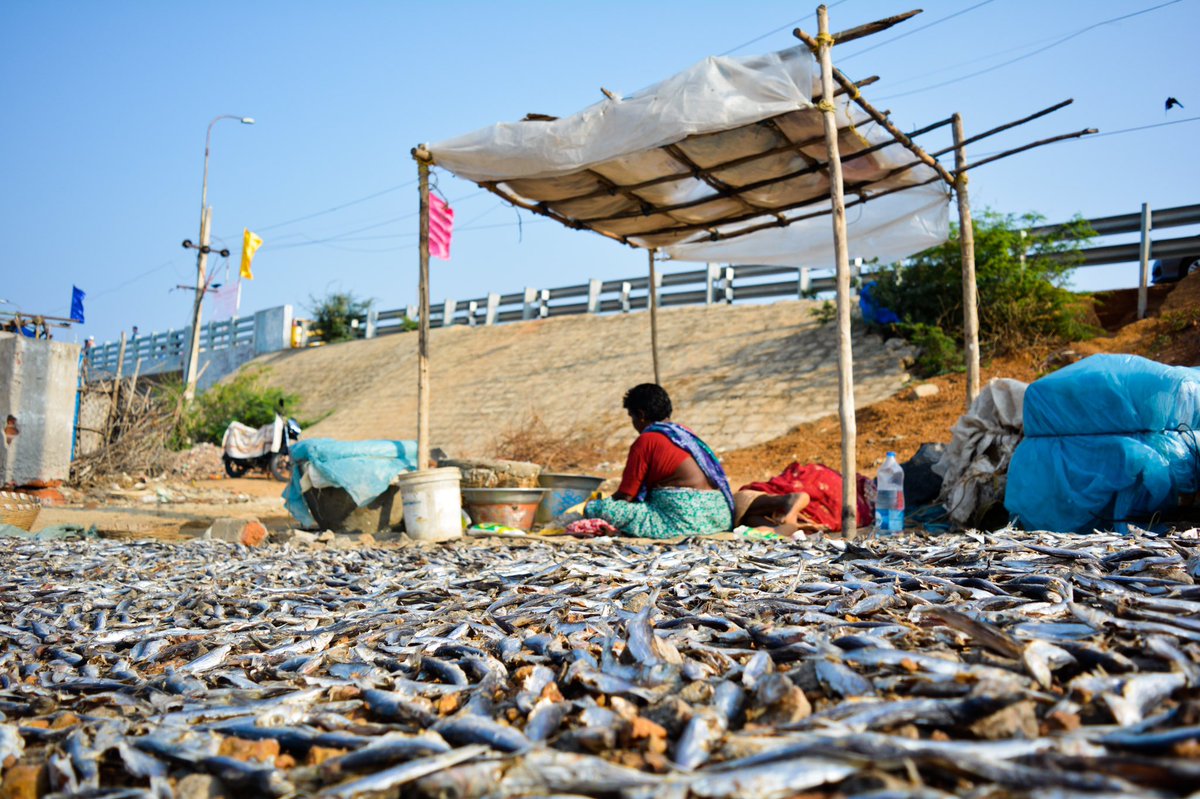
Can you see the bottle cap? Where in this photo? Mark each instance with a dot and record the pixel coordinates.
(891, 454)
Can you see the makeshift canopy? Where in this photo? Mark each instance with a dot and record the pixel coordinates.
(725, 161)
(735, 160)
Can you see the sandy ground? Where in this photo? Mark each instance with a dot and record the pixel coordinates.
(246, 497)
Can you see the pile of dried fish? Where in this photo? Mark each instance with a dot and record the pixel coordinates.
(1001, 664)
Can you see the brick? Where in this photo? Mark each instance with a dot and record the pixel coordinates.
(250, 532)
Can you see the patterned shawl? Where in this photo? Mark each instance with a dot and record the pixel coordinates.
(690, 443)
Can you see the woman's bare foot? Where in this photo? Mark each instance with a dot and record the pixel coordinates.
(795, 504)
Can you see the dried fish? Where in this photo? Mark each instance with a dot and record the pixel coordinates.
(519, 668)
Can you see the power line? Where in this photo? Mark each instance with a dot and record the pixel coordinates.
(341, 236)
(1053, 44)
(791, 24)
(1141, 127)
(843, 59)
(337, 207)
(133, 279)
(339, 246)
(1105, 133)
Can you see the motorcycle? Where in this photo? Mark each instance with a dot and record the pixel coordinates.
(267, 448)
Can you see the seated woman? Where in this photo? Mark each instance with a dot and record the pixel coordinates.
(672, 485)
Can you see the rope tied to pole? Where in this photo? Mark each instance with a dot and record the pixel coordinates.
(961, 180)
(823, 39)
(826, 106)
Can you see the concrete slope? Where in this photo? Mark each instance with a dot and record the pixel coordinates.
(738, 375)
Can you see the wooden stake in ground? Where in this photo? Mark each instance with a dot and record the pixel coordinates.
(842, 259)
(654, 315)
(422, 156)
(115, 397)
(966, 243)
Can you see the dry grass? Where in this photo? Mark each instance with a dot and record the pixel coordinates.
(532, 441)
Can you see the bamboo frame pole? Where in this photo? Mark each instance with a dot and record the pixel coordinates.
(1009, 125)
(654, 314)
(842, 259)
(901, 138)
(878, 26)
(1039, 143)
(966, 243)
(423, 158)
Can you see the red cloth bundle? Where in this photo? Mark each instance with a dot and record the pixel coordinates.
(824, 487)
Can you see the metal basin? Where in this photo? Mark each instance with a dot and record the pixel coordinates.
(511, 507)
(563, 491)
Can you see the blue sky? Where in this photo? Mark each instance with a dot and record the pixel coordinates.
(105, 107)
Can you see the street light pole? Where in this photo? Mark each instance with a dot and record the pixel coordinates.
(189, 390)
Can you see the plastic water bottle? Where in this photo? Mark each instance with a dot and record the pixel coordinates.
(889, 498)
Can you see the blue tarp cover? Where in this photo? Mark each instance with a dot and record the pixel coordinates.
(1109, 439)
(873, 313)
(363, 469)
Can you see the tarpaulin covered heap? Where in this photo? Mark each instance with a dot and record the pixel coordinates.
(725, 161)
(1108, 440)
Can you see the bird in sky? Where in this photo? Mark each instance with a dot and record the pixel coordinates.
(1172, 102)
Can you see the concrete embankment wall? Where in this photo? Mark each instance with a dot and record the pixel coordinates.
(739, 375)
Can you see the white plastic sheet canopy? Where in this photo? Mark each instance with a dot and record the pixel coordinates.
(725, 161)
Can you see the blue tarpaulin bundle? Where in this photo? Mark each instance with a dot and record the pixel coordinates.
(363, 469)
(1108, 440)
(873, 313)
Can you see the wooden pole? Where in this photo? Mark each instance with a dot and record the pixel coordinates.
(115, 397)
(842, 259)
(137, 369)
(966, 243)
(654, 315)
(121, 356)
(423, 158)
(1144, 263)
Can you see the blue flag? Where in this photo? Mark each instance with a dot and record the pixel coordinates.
(77, 296)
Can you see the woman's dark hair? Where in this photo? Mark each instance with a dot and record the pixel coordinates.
(650, 401)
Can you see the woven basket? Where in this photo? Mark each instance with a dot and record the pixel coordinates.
(19, 510)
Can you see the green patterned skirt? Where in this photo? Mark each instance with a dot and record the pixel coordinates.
(666, 513)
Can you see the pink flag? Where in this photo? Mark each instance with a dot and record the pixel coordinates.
(441, 227)
(222, 302)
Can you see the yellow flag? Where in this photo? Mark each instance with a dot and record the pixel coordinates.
(250, 245)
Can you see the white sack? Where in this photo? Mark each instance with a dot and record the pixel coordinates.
(243, 441)
(974, 467)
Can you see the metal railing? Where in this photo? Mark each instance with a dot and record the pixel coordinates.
(714, 284)
(163, 352)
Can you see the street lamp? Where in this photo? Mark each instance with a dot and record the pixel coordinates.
(202, 250)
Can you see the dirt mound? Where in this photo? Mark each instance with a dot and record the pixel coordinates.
(1172, 336)
(904, 422)
(899, 424)
(201, 462)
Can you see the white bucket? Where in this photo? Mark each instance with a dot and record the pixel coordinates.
(432, 504)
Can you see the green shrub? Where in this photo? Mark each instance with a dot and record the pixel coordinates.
(826, 313)
(937, 353)
(244, 399)
(333, 315)
(1019, 303)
